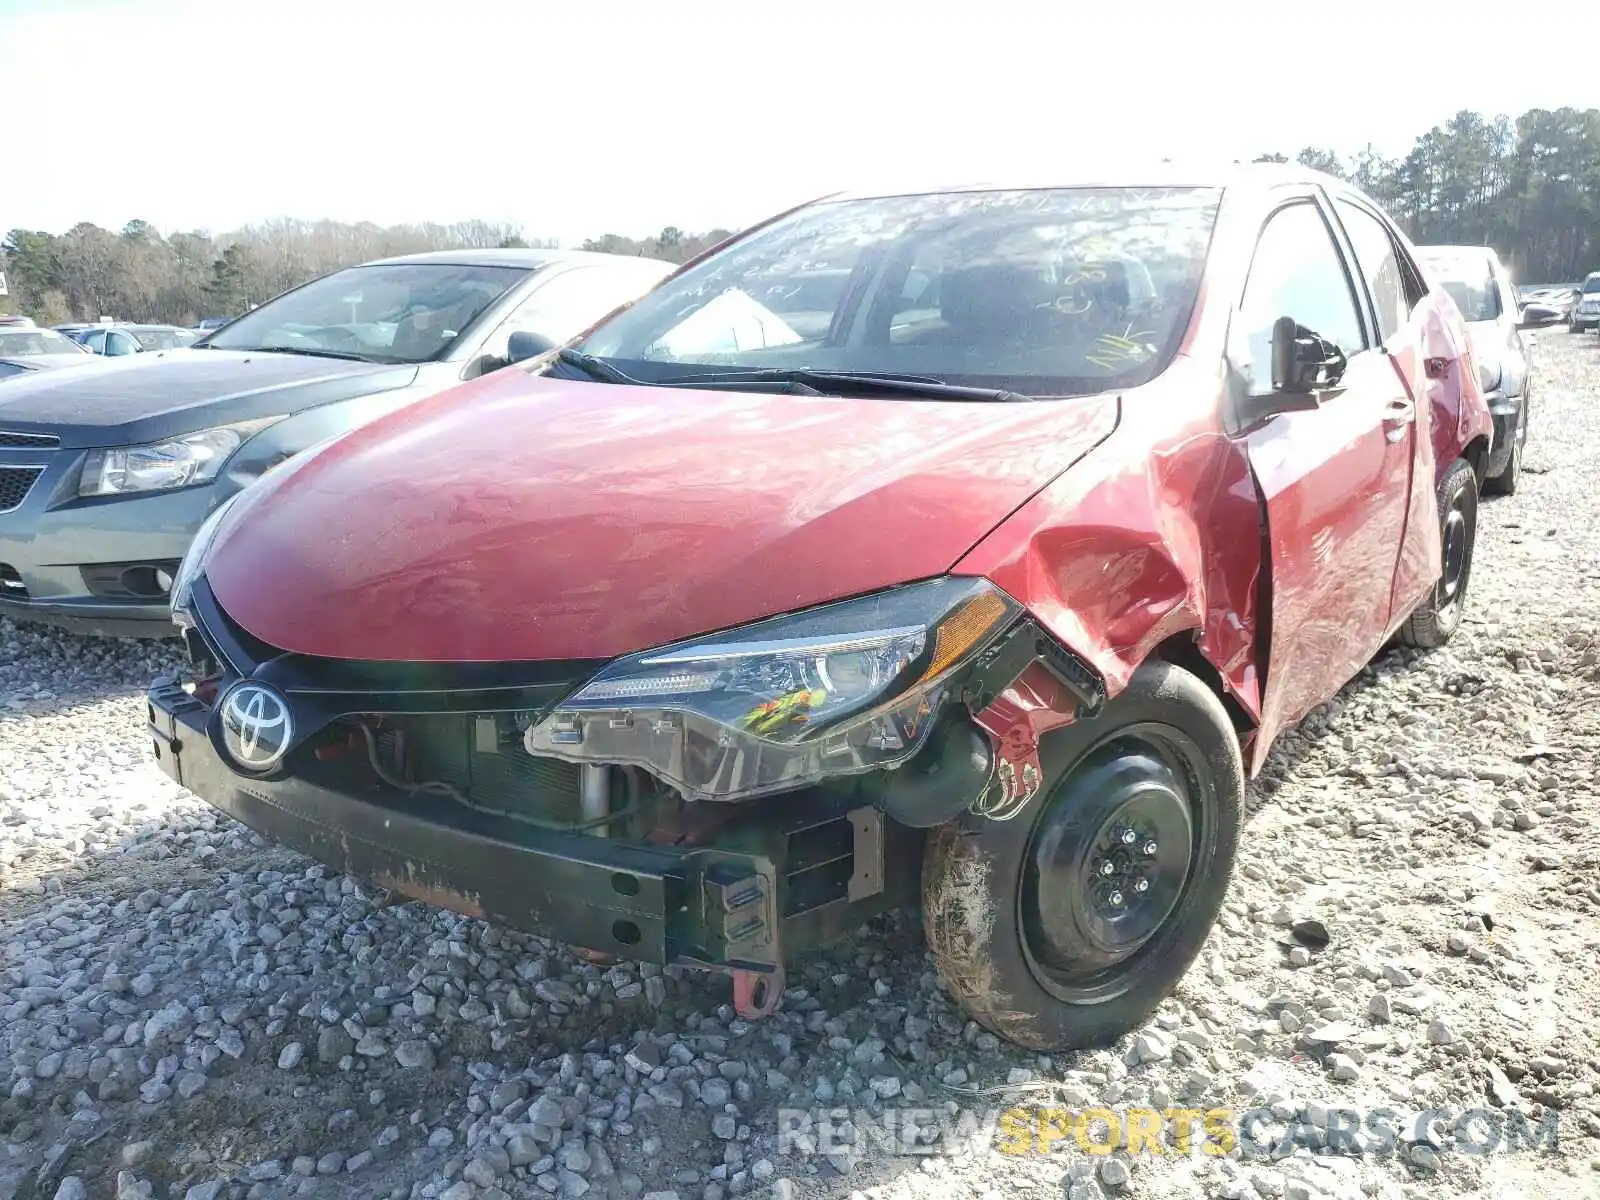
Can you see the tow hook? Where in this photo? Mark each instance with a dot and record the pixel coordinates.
(757, 994)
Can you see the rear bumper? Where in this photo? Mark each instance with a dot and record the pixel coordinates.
(742, 903)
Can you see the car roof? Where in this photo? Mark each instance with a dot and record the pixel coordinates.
(1160, 174)
(528, 259)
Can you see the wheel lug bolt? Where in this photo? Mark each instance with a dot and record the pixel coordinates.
(1128, 837)
(1107, 868)
(1142, 886)
(1150, 847)
(1116, 899)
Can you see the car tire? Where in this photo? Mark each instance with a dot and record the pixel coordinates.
(1015, 911)
(1433, 622)
(1505, 483)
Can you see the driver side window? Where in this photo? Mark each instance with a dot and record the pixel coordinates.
(1296, 272)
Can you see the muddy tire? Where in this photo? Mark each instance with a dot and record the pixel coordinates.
(1505, 483)
(1039, 924)
(1433, 622)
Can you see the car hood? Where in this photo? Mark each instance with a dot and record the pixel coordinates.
(518, 519)
(47, 362)
(146, 397)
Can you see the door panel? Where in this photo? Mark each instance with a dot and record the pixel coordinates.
(1334, 480)
(1407, 324)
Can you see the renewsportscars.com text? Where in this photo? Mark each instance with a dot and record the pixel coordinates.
(1218, 1132)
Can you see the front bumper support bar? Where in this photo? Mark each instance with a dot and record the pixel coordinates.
(796, 873)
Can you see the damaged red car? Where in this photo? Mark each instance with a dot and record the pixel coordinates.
(965, 547)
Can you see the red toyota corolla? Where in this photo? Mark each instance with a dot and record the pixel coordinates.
(969, 545)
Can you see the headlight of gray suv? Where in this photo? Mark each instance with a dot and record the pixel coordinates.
(161, 466)
(836, 690)
(1489, 372)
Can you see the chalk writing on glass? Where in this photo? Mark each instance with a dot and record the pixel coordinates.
(1118, 351)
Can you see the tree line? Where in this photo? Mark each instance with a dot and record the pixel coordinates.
(1530, 187)
(139, 273)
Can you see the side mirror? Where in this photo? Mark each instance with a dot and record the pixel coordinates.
(1304, 364)
(1303, 361)
(525, 344)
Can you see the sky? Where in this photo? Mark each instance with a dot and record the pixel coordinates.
(573, 118)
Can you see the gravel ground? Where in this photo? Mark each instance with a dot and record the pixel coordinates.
(189, 1012)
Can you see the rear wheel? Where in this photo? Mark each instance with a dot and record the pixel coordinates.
(1067, 925)
(1434, 621)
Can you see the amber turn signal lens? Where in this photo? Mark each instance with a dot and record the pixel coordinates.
(964, 629)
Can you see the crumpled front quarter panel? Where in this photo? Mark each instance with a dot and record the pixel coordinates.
(1155, 533)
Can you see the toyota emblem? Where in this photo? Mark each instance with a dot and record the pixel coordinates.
(256, 726)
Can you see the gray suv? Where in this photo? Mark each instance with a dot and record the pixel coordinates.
(107, 470)
(1481, 287)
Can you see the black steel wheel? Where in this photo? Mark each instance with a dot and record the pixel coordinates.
(1434, 621)
(1066, 925)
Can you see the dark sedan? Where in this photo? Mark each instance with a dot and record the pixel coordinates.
(107, 471)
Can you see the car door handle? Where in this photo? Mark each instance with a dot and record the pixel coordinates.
(1396, 416)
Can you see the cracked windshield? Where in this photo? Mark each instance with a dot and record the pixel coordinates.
(1039, 292)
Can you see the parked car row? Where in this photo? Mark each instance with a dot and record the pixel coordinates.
(64, 342)
(116, 340)
(1543, 304)
(1586, 310)
(25, 348)
(967, 546)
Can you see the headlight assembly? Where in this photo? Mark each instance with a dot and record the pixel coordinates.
(837, 690)
(160, 466)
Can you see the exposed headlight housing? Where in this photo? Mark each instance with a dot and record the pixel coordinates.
(838, 690)
(161, 466)
(194, 560)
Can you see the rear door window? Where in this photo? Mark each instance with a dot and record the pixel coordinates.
(1380, 267)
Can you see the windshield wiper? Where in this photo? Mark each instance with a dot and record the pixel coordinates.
(348, 355)
(596, 368)
(853, 382)
(599, 369)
